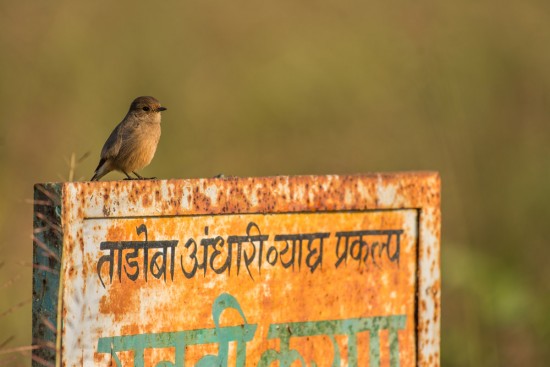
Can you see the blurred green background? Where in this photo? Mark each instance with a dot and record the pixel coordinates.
(299, 87)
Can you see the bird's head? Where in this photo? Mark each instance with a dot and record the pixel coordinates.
(146, 107)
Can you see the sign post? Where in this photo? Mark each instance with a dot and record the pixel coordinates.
(277, 271)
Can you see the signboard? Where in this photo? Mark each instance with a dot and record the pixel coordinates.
(281, 271)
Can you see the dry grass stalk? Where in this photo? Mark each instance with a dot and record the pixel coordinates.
(9, 283)
(15, 308)
(44, 247)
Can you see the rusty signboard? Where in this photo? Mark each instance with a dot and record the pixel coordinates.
(277, 271)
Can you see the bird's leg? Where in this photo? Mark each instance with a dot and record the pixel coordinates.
(141, 177)
(128, 177)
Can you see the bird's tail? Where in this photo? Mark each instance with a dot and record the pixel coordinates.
(101, 170)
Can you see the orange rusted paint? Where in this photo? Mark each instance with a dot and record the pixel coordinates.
(380, 306)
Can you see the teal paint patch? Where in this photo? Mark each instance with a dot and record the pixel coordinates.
(244, 333)
(47, 252)
(180, 339)
(348, 327)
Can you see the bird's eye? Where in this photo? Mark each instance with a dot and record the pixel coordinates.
(146, 108)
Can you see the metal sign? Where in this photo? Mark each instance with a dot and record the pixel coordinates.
(281, 271)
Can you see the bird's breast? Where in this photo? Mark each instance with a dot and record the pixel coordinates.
(138, 148)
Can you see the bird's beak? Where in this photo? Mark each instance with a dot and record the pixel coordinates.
(161, 109)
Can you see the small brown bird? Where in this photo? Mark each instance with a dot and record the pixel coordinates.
(132, 144)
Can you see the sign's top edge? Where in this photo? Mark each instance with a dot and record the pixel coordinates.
(233, 195)
(369, 175)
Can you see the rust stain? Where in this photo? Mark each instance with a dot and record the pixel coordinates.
(234, 195)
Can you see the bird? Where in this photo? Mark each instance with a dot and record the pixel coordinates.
(133, 142)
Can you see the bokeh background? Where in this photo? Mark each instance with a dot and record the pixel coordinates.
(259, 88)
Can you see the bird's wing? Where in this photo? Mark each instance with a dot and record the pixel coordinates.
(113, 143)
(120, 136)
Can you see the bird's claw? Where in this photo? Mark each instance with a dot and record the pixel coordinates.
(139, 178)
